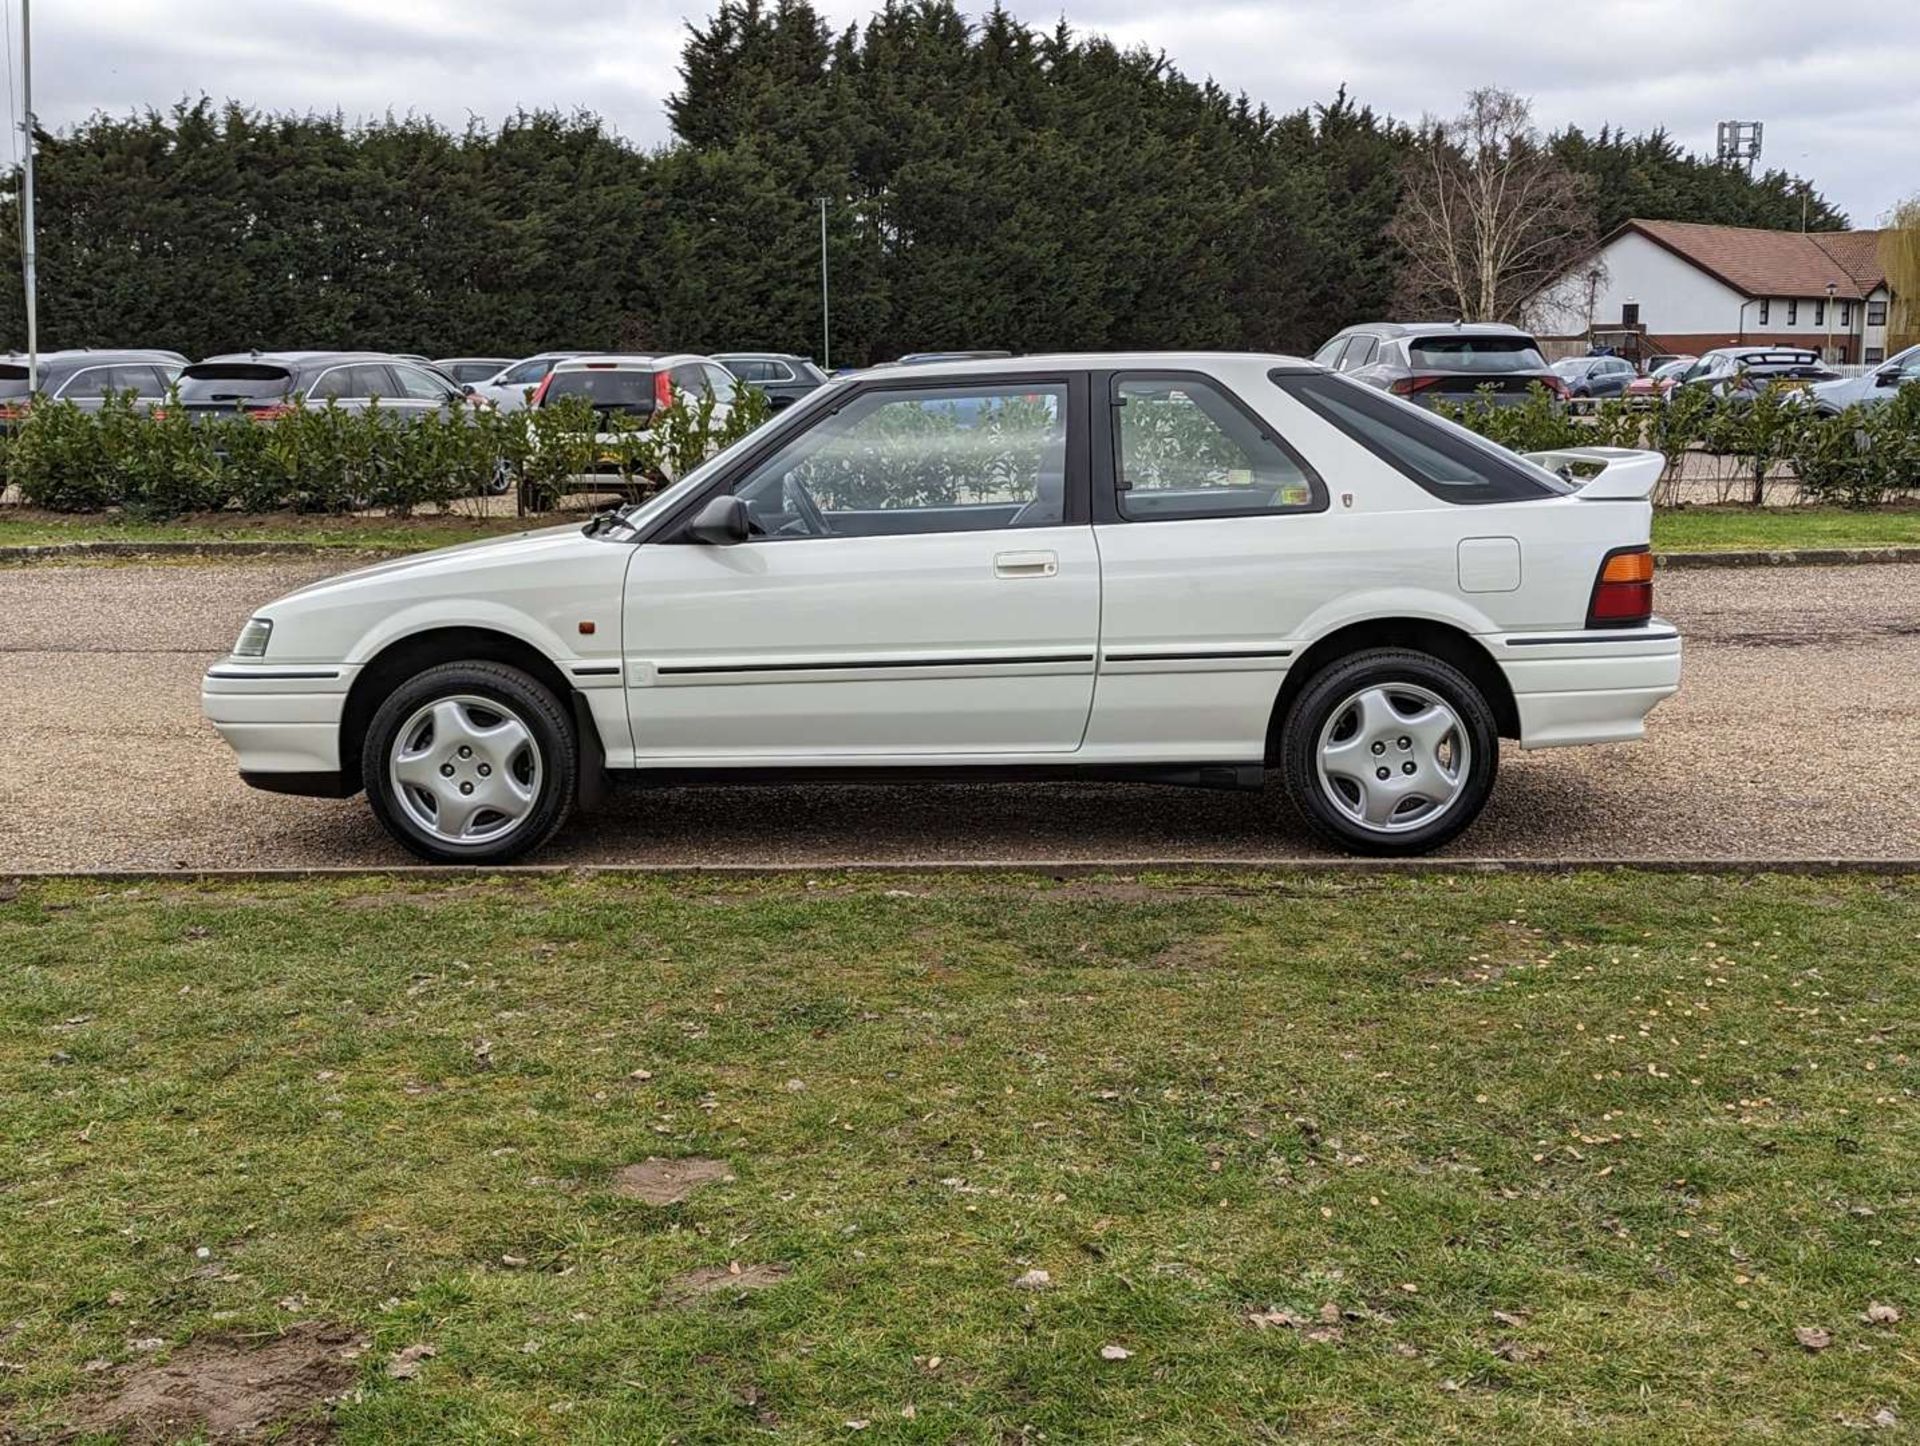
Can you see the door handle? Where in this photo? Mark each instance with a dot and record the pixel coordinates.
(1025, 564)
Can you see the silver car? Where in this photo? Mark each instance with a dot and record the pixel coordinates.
(1871, 388)
(511, 386)
(1457, 361)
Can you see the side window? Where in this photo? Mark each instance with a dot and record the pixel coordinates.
(1360, 353)
(722, 382)
(1445, 460)
(416, 385)
(1183, 448)
(752, 371)
(965, 458)
(690, 380)
(528, 373)
(90, 383)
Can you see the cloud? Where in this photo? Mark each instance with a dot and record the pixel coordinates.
(1837, 98)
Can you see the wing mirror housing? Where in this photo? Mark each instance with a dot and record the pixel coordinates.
(1888, 378)
(721, 523)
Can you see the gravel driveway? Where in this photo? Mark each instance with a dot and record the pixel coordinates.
(1796, 734)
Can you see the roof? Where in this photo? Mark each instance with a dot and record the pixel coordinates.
(1417, 328)
(1772, 263)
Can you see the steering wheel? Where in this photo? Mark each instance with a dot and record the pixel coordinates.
(794, 497)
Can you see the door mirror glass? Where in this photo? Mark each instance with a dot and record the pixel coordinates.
(721, 523)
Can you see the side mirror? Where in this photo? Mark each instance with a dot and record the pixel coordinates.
(1888, 378)
(467, 389)
(721, 523)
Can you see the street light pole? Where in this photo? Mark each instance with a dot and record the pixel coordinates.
(826, 327)
(26, 195)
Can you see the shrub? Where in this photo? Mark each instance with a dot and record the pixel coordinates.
(167, 461)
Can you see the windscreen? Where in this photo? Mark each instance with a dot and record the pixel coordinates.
(609, 390)
(234, 382)
(1489, 355)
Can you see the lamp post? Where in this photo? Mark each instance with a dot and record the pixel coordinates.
(26, 196)
(1831, 288)
(826, 328)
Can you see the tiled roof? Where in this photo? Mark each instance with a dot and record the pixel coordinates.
(1774, 263)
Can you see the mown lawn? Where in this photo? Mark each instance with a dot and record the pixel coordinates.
(20, 528)
(1496, 1158)
(1684, 529)
(1720, 529)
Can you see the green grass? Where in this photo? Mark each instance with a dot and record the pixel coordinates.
(41, 529)
(1721, 529)
(1657, 1121)
(1688, 529)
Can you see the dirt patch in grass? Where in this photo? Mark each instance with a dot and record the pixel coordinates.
(231, 1390)
(667, 1182)
(719, 1279)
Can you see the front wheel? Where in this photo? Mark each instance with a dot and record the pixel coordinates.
(470, 762)
(1389, 752)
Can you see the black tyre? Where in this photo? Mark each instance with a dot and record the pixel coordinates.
(471, 763)
(1389, 752)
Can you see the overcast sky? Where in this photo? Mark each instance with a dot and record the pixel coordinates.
(1834, 81)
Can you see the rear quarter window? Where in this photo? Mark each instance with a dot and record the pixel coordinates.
(1446, 461)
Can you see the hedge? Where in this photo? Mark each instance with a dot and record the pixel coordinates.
(1740, 451)
(166, 461)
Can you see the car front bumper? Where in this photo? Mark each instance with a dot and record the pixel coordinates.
(1595, 686)
(282, 720)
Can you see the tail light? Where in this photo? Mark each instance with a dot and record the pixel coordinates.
(662, 391)
(1623, 592)
(1407, 386)
(12, 411)
(540, 392)
(272, 412)
(1557, 387)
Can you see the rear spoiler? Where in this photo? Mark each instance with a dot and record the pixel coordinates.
(1604, 474)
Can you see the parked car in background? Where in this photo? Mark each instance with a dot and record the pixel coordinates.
(1739, 374)
(784, 378)
(1443, 361)
(1256, 571)
(1654, 361)
(512, 387)
(472, 370)
(266, 382)
(634, 389)
(86, 378)
(1652, 389)
(1591, 378)
(1877, 384)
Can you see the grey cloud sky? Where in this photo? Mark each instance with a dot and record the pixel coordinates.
(1834, 82)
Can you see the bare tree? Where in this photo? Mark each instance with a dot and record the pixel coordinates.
(1488, 215)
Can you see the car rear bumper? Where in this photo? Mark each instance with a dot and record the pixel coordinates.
(279, 718)
(1592, 686)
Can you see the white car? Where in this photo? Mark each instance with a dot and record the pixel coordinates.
(628, 391)
(1184, 568)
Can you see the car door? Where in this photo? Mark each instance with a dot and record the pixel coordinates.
(1215, 545)
(921, 584)
(421, 392)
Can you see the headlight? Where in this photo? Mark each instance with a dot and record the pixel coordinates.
(252, 642)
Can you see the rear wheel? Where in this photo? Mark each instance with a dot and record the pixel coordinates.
(1389, 752)
(470, 763)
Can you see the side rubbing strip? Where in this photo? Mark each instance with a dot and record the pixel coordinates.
(863, 664)
(1199, 657)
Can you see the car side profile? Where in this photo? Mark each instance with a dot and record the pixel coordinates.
(1874, 387)
(1593, 378)
(1207, 569)
(86, 378)
(263, 383)
(784, 378)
